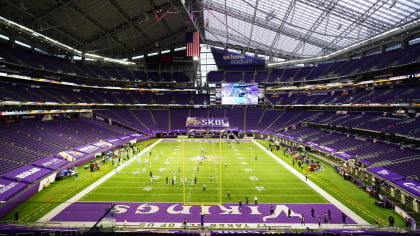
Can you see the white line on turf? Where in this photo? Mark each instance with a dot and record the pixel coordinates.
(326, 195)
(85, 191)
(236, 226)
(200, 194)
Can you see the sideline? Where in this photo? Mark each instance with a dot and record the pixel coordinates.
(85, 191)
(326, 195)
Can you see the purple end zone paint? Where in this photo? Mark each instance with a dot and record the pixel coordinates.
(226, 213)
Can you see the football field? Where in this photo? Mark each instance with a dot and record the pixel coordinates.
(242, 168)
(204, 182)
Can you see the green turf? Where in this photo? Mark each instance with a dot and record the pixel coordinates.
(243, 176)
(280, 185)
(346, 192)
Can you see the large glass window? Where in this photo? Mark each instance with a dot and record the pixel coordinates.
(207, 62)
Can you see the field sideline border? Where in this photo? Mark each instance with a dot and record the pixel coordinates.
(323, 193)
(85, 191)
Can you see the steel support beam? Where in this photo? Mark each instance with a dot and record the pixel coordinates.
(80, 12)
(315, 25)
(292, 5)
(234, 12)
(253, 23)
(358, 21)
(347, 13)
(129, 21)
(244, 40)
(47, 13)
(62, 32)
(152, 3)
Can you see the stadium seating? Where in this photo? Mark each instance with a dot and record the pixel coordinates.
(33, 139)
(24, 93)
(42, 61)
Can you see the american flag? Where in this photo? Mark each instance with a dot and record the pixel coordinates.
(193, 44)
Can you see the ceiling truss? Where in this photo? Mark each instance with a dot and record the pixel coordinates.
(244, 16)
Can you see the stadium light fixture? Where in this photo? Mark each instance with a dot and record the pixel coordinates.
(51, 41)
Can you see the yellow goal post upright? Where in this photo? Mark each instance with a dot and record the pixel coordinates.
(220, 176)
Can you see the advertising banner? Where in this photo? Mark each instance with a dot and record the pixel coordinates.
(112, 140)
(101, 144)
(9, 188)
(70, 155)
(27, 174)
(88, 149)
(343, 155)
(226, 59)
(215, 122)
(46, 182)
(51, 163)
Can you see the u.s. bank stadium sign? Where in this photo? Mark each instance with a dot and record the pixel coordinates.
(227, 59)
(238, 59)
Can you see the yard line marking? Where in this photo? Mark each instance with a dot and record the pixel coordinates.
(322, 192)
(199, 187)
(85, 191)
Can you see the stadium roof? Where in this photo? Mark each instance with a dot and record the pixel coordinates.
(302, 28)
(111, 28)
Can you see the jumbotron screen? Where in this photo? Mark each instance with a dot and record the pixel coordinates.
(240, 94)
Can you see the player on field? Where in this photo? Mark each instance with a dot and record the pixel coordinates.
(256, 200)
(228, 194)
(204, 187)
(246, 200)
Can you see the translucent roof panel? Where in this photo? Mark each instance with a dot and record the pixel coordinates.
(303, 28)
